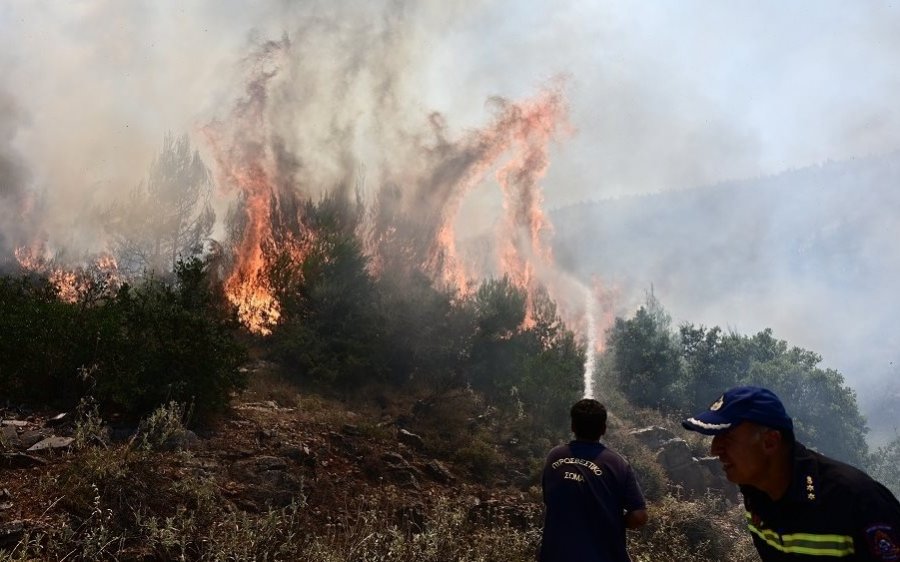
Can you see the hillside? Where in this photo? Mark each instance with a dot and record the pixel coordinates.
(290, 476)
(810, 253)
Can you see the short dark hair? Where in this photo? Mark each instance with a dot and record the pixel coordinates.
(588, 419)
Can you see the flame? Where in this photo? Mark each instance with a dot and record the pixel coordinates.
(243, 164)
(515, 145)
(522, 133)
(71, 285)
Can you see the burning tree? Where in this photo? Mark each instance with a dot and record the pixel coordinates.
(168, 216)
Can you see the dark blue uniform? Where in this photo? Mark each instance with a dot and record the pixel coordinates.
(587, 490)
(831, 511)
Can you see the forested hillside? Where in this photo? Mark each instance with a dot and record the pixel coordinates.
(810, 253)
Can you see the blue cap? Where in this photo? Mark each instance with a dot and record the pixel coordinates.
(742, 403)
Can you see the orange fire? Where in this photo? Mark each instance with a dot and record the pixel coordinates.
(73, 284)
(522, 133)
(515, 146)
(244, 164)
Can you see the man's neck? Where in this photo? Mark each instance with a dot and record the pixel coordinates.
(779, 475)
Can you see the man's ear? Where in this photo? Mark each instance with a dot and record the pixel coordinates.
(771, 440)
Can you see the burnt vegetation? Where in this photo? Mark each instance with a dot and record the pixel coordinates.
(486, 393)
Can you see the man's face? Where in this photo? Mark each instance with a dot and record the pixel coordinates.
(742, 452)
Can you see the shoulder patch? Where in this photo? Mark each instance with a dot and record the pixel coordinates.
(883, 542)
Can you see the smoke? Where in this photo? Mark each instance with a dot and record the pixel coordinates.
(13, 178)
(391, 97)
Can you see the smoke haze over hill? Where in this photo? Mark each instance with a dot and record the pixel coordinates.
(810, 253)
(662, 96)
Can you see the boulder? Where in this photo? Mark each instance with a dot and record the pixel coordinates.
(694, 477)
(438, 472)
(20, 460)
(410, 439)
(681, 467)
(52, 443)
(652, 437)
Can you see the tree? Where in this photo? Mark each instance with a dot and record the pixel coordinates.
(499, 309)
(552, 375)
(169, 341)
(166, 217)
(825, 412)
(531, 370)
(330, 331)
(426, 333)
(884, 465)
(645, 357)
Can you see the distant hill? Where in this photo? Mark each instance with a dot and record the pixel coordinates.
(813, 253)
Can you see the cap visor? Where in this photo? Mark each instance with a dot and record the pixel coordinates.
(707, 423)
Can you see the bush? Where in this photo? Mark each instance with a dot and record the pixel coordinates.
(703, 530)
(132, 350)
(44, 343)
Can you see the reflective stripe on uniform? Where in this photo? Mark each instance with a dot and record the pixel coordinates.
(811, 544)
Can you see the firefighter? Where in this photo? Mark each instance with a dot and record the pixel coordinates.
(800, 505)
(591, 495)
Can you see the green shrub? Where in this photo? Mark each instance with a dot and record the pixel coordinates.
(132, 350)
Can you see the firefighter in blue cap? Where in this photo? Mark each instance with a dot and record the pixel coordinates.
(800, 505)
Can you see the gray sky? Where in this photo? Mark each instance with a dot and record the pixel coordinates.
(663, 95)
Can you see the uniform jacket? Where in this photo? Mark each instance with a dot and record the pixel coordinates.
(831, 511)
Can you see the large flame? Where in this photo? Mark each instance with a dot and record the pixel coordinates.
(521, 133)
(515, 145)
(244, 164)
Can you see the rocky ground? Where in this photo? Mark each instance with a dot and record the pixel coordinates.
(286, 475)
(262, 455)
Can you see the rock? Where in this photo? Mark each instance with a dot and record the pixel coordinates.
(20, 460)
(410, 439)
(394, 459)
(695, 476)
(52, 443)
(403, 477)
(652, 437)
(59, 420)
(681, 467)
(350, 429)
(265, 482)
(301, 454)
(185, 440)
(717, 479)
(118, 434)
(439, 472)
(30, 438)
(14, 423)
(252, 467)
